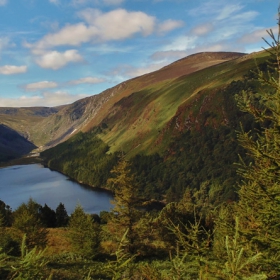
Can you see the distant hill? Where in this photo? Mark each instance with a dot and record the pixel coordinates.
(23, 119)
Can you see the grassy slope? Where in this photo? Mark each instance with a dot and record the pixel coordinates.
(150, 81)
(135, 123)
(189, 121)
(24, 119)
(49, 126)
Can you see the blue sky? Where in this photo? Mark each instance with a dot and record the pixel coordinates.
(53, 52)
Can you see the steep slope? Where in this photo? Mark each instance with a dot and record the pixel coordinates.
(12, 144)
(89, 112)
(84, 114)
(178, 133)
(134, 111)
(161, 77)
(137, 123)
(23, 119)
(68, 121)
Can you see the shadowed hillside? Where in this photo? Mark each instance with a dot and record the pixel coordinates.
(12, 144)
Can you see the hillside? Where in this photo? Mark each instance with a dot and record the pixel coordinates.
(23, 119)
(12, 144)
(177, 126)
(50, 126)
(179, 132)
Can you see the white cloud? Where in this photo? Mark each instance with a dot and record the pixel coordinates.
(222, 26)
(124, 72)
(202, 29)
(182, 43)
(40, 85)
(118, 24)
(87, 80)
(49, 99)
(256, 35)
(3, 2)
(138, 71)
(226, 11)
(12, 69)
(72, 35)
(43, 85)
(60, 98)
(55, 60)
(216, 8)
(243, 17)
(169, 25)
(4, 43)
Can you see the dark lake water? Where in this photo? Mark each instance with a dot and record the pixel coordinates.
(18, 183)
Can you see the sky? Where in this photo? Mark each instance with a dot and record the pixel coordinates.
(54, 52)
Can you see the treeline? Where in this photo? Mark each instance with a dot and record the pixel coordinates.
(83, 157)
(25, 235)
(195, 238)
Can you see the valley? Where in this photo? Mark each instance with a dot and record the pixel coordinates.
(187, 138)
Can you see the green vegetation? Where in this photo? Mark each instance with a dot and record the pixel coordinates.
(216, 224)
(84, 158)
(203, 154)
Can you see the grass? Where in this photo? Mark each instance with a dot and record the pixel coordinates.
(138, 119)
(58, 242)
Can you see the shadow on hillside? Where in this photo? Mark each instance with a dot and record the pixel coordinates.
(12, 144)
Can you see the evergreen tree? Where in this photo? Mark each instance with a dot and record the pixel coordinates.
(6, 213)
(259, 205)
(27, 220)
(62, 217)
(125, 213)
(48, 216)
(84, 233)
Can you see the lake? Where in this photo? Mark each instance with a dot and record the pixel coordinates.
(18, 183)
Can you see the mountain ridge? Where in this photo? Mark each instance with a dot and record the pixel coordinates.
(84, 114)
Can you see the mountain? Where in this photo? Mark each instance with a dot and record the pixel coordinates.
(23, 119)
(50, 126)
(176, 125)
(12, 144)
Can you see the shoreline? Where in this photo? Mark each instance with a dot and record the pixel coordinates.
(147, 204)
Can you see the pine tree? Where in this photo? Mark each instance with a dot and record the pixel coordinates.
(84, 233)
(259, 205)
(48, 216)
(62, 217)
(125, 213)
(6, 213)
(27, 220)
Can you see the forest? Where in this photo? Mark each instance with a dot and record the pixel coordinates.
(221, 211)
